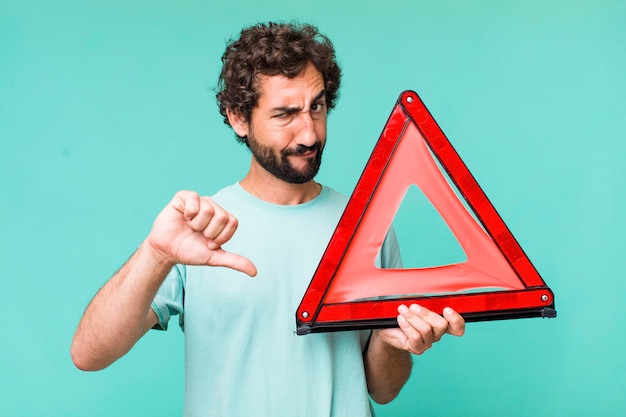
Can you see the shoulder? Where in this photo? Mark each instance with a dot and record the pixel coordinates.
(329, 205)
(231, 196)
(334, 196)
(226, 192)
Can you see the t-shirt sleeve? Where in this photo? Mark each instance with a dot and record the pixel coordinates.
(168, 300)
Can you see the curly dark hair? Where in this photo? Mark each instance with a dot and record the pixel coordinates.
(273, 49)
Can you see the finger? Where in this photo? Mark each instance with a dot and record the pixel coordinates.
(456, 323)
(417, 315)
(419, 333)
(222, 225)
(228, 230)
(412, 341)
(204, 215)
(186, 202)
(410, 332)
(438, 324)
(233, 261)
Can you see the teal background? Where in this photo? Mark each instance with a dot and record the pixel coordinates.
(106, 110)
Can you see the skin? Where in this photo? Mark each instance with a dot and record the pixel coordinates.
(290, 114)
(189, 230)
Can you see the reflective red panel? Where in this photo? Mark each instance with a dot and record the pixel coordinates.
(496, 281)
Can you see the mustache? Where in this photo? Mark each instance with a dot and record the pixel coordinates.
(302, 149)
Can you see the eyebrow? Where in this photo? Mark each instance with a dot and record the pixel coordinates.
(289, 109)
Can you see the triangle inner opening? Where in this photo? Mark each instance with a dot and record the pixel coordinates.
(424, 238)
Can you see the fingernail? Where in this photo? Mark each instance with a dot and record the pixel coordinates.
(447, 310)
(403, 309)
(416, 309)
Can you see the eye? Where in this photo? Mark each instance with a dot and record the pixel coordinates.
(283, 115)
(317, 107)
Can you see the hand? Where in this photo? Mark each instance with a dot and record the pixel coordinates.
(191, 230)
(419, 328)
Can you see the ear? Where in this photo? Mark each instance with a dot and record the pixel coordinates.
(238, 122)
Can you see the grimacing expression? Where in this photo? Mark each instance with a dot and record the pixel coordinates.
(286, 131)
(278, 164)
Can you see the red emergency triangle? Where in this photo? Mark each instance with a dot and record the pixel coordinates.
(349, 291)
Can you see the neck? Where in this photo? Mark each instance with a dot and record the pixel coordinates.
(267, 187)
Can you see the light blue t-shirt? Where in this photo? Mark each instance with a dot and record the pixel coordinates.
(242, 355)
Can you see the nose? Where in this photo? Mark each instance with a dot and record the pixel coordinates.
(307, 135)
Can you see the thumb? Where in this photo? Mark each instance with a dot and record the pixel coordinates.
(233, 261)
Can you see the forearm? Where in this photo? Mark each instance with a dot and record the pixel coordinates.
(117, 316)
(386, 369)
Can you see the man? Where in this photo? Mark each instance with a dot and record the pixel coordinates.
(277, 85)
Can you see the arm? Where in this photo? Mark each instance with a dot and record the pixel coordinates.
(120, 312)
(387, 359)
(189, 230)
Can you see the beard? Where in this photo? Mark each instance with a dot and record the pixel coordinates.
(279, 165)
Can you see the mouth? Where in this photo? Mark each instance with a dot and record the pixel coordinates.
(306, 154)
(305, 151)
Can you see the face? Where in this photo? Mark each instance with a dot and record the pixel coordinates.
(287, 129)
